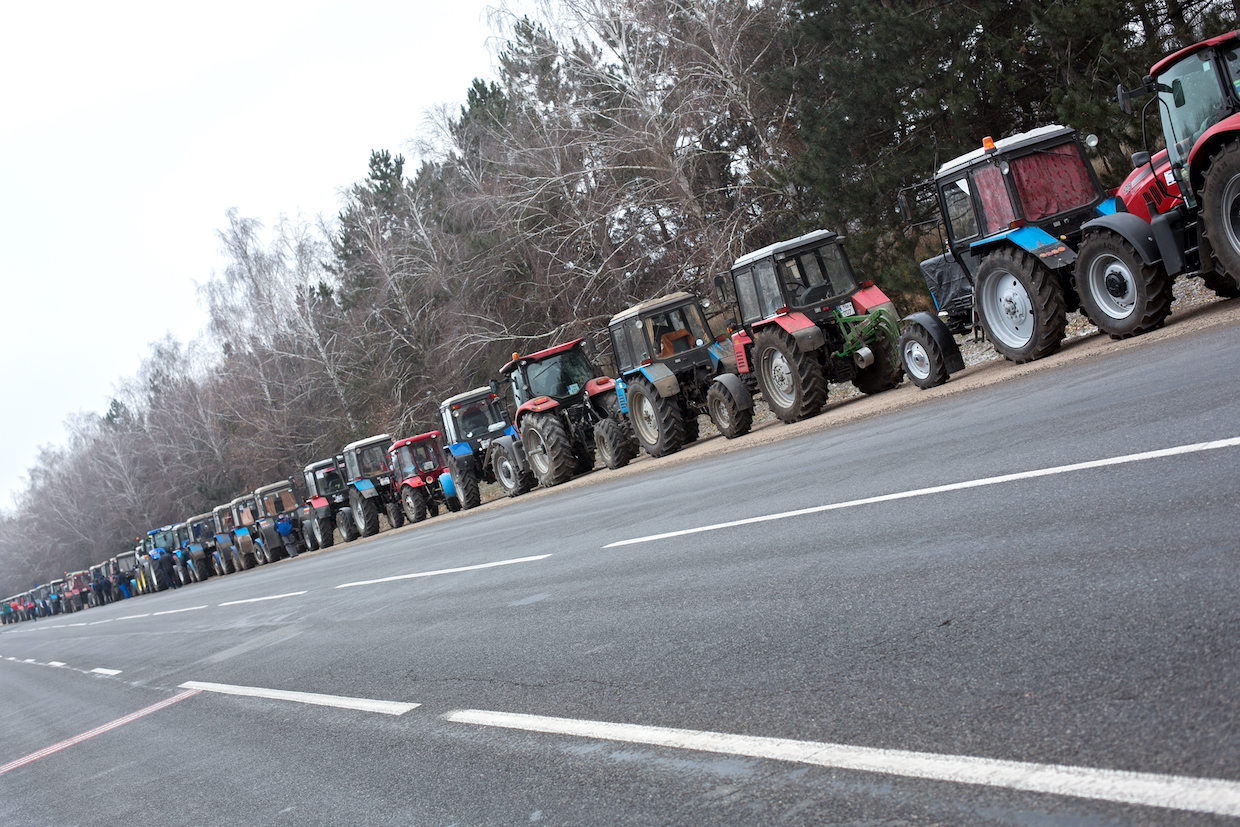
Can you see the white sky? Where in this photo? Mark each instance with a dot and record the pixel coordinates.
(129, 128)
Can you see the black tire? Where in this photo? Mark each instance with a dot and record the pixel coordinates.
(1223, 286)
(658, 422)
(548, 447)
(729, 416)
(1020, 304)
(1220, 211)
(511, 477)
(1120, 293)
(453, 504)
(465, 480)
(612, 444)
(241, 562)
(609, 402)
(792, 382)
(365, 514)
(323, 532)
(312, 542)
(413, 500)
(395, 515)
(692, 429)
(885, 372)
(922, 357)
(585, 459)
(347, 525)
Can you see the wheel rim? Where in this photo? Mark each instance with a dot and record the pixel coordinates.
(359, 519)
(506, 473)
(1112, 286)
(409, 504)
(646, 420)
(723, 417)
(1231, 211)
(1008, 309)
(779, 382)
(916, 360)
(537, 451)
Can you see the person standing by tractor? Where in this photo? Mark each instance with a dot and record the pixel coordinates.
(168, 567)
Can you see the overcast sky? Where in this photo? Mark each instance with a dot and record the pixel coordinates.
(128, 129)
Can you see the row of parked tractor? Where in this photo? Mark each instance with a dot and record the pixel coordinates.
(1027, 235)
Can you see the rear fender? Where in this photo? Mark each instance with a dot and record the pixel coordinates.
(412, 482)
(941, 336)
(536, 405)
(512, 444)
(737, 389)
(868, 298)
(808, 336)
(600, 384)
(662, 378)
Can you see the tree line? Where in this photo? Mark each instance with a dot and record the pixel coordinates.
(626, 149)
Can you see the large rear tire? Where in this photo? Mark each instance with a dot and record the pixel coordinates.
(365, 515)
(922, 357)
(729, 417)
(1220, 211)
(414, 502)
(466, 481)
(792, 382)
(1021, 305)
(511, 477)
(1223, 286)
(1120, 293)
(548, 447)
(658, 421)
(612, 444)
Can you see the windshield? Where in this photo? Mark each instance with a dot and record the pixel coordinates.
(420, 457)
(677, 330)
(817, 275)
(245, 512)
(564, 374)
(367, 461)
(164, 539)
(201, 530)
(1190, 100)
(276, 502)
(1051, 181)
(478, 418)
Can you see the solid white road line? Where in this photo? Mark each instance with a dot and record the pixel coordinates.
(364, 704)
(111, 725)
(260, 599)
(444, 571)
(1203, 795)
(101, 671)
(178, 611)
(940, 489)
(132, 617)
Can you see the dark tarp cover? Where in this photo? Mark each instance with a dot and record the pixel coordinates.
(951, 290)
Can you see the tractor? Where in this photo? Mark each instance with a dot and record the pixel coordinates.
(327, 504)
(675, 370)
(370, 484)
(225, 557)
(1180, 207)
(201, 545)
(806, 321)
(420, 477)
(279, 525)
(1015, 212)
(565, 411)
(235, 544)
(471, 420)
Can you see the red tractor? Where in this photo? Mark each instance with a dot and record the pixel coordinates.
(1181, 206)
(420, 477)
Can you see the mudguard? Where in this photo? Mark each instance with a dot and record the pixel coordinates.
(196, 551)
(662, 378)
(512, 444)
(868, 298)
(722, 356)
(1052, 252)
(737, 388)
(365, 487)
(536, 405)
(1136, 232)
(320, 507)
(445, 482)
(942, 337)
(461, 449)
(808, 335)
(600, 384)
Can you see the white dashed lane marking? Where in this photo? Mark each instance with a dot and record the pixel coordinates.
(261, 599)
(444, 571)
(339, 701)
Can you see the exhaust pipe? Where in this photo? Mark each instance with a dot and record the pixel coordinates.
(864, 357)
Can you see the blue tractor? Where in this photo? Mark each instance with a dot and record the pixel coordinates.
(471, 422)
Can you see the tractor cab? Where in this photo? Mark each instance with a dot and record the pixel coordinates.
(366, 459)
(560, 373)
(473, 417)
(422, 479)
(671, 330)
(279, 523)
(370, 484)
(325, 478)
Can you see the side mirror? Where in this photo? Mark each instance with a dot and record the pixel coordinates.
(719, 291)
(588, 344)
(1125, 99)
(495, 387)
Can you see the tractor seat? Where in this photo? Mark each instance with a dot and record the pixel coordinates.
(672, 343)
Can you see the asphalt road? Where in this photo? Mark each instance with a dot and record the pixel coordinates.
(996, 647)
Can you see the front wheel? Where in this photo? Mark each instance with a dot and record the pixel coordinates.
(922, 357)
(612, 444)
(657, 421)
(792, 382)
(1121, 294)
(395, 516)
(365, 515)
(885, 372)
(1220, 210)
(1021, 306)
(414, 502)
(512, 478)
(548, 447)
(347, 525)
(727, 413)
(465, 479)
(323, 531)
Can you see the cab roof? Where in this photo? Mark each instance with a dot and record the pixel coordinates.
(816, 237)
(429, 435)
(1162, 65)
(370, 440)
(275, 486)
(670, 299)
(1008, 144)
(535, 357)
(467, 396)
